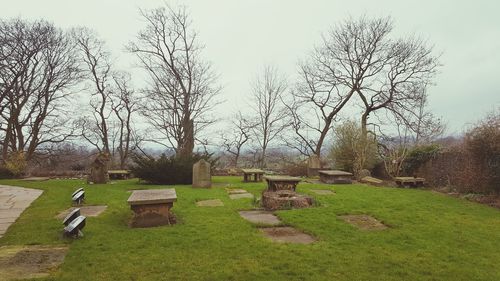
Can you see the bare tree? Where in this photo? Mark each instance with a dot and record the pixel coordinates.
(99, 74)
(38, 69)
(182, 86)
(266, 103)
(238, 136)
(358, 57)
(124, 105)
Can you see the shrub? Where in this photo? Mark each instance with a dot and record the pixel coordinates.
(483, 143)
(350, 151)
(167, 169)
(5, 173)
(418, 156)
(16, 163)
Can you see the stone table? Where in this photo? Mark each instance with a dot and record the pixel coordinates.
(409, 181)
(335, 176)
(118, 174)
(152, 207)
(275, 183)
(256, 173)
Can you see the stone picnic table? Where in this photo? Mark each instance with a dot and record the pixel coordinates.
(409, 181)
(275, 183)
(119, 174)
(152, 207)
(335, 176)
(256, 173)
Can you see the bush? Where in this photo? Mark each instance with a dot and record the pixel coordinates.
(350, 151)
(483, 143)
(16, 163)
(295, 169)
(167, 170)
(418, 156)
(5, 173)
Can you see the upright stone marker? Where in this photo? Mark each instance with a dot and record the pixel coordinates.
(201, 174)
(313, 165)
(99, 169)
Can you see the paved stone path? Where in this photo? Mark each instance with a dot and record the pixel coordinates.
(13, 201)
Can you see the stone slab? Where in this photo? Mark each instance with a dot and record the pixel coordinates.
(252, 171)
(23, 262)
(372, 181)
(260, 217)
(323, 191)
(88, 211)
(152, 196)
(240, 196)
(287, 234)
(210, 203)
(335, 173)
(364, 222)
(282, 178)
(36, 179)
(236, 191)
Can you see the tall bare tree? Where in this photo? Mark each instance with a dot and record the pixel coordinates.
(182, 86)
(266, 103)
(38, 70)
(359, 58)
(98, 72)
(124, 105)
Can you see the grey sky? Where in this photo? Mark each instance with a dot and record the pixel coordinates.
(242, 36)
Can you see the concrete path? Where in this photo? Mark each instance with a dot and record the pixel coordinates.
(13, 201)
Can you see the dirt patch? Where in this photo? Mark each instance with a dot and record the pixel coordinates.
(323, 191)
(260, 217)
(21, 262)
(287, 235)
(364, 222)
(210, 203)
(88, 211)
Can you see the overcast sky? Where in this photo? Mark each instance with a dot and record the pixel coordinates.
(242, 36)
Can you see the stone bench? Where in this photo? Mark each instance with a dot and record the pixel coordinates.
(256, 173)
(152, 207)
(409, 181)
(118, 174)
(335, 176)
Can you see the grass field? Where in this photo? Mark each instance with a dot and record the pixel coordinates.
(431, 236)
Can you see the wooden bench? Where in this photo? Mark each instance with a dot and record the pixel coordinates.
(335, 176)
(275, 183)
(256, 173)
(118, 174)
(409, 181)
(152, 207)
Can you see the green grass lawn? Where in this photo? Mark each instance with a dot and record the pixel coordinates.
(431, 236)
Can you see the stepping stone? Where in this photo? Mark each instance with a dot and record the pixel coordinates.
(323, 191)
(36, 179)
(23, 262)
(236, 191)
(88, 211)
(287, 235)
(241, 195)
(260, 217)
(364, 222)
(210, 203)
